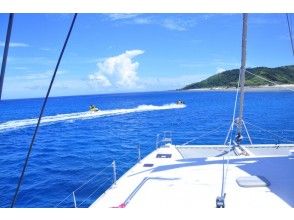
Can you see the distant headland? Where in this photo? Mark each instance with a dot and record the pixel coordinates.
(257, 79)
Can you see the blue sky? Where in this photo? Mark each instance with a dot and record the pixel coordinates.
(109, 53)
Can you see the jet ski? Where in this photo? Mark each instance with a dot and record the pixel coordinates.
(93, 108)
(180, 102)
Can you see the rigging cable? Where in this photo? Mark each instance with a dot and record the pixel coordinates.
(271, 133)
(234, 113)
(220, 200)
(268, 80)
(80, 187)
(229, 134)
(5, 53)
(290, 33)
(41, 113)
(203, 135)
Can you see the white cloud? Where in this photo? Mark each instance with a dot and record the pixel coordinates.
(220, 69)
(14, 44)
(30, 60)
(170, 82)
(173, 25)
(19, 67)
(142, 20)
(36, 84)
(37, 88)
(170, 22)
(263, 19)
(35, 76)
(117, 71)
(47, 49)
(99, 80)
(121, 16)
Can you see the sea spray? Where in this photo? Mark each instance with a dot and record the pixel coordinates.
(71, 117)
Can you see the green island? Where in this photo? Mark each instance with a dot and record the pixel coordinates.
(261, 76)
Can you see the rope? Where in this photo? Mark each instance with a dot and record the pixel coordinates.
(230, 131)
(234, 113)
(267, 80)
(5, 52)
(267, 139)
(247, 132)
(63, 200)
(236, 99)
(41, 113)
(211, 132)
(290, 33)
(120, 168)
(92, 178)
(286, 130)
(269, 132)
(225, 173)
(83, 184)
(95, 191)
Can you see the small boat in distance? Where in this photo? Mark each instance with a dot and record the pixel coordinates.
(180, 102)
(93, 108)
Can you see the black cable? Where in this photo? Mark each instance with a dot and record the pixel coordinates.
(41, 113)
(290, 33)
(5, 53)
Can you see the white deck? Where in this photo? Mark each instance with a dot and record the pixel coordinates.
(196, 182)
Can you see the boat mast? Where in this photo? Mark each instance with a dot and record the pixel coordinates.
(242, 78)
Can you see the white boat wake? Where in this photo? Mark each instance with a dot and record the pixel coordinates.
(16, 124)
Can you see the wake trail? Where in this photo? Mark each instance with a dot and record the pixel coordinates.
(17, 124)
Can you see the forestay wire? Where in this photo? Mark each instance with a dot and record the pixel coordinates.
(229, 134)
(220, 200)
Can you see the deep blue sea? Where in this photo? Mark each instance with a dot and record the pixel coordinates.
(74, 147)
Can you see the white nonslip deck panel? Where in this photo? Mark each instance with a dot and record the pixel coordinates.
(196, 182)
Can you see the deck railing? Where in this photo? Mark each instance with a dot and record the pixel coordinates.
(163, 138)
(104, 179)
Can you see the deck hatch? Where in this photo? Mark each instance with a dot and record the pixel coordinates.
(148, 165)
(252, 181)
(163, 156)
